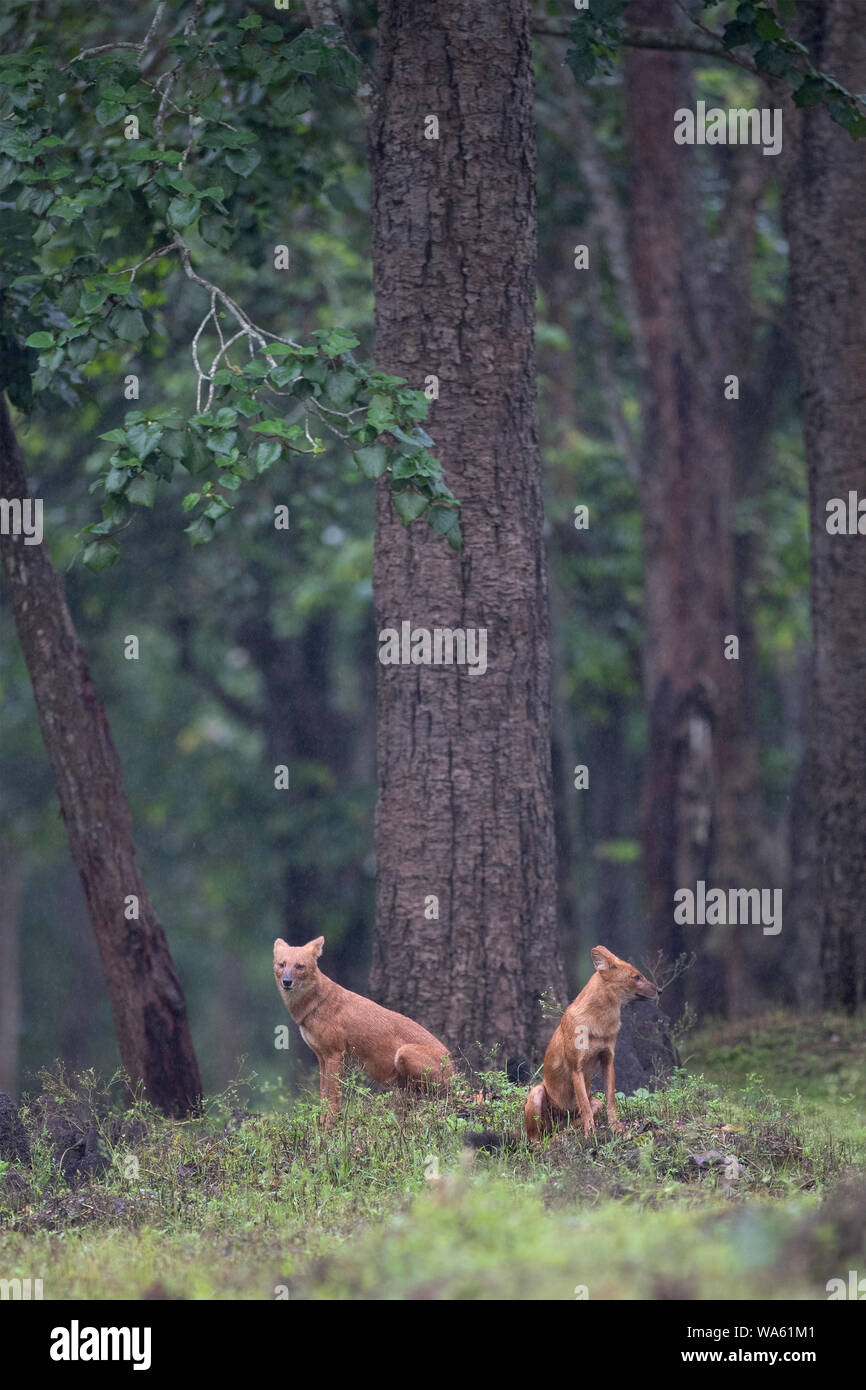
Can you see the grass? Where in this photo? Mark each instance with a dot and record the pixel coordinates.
(818, 1063)
(723, 1186)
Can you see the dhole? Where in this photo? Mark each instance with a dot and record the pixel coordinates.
(337, 1024)
(585, 1038)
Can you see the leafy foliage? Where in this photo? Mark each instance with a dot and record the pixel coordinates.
(595, 38)
(757, 28)
(102, 159)
(598, 34)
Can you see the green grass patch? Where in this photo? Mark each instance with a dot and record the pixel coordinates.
(731, 1188)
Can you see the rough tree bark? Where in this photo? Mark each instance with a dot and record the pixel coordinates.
(146, 997)
(700, 801)
(825, 203)
(464, 764)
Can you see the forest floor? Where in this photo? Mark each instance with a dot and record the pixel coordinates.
(743, 1179)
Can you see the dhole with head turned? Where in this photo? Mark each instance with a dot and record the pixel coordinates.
(585, 1039)
(338, 1024)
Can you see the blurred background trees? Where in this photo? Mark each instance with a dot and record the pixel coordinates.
(260, 648)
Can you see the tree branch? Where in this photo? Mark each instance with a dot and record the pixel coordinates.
(667, 40)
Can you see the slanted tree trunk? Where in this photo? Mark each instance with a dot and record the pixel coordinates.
(146, 996)
(464, 765)
(826, 220)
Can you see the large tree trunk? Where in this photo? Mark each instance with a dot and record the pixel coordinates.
(464, 763)
(826, 220)
(146, 997)
(700, 799)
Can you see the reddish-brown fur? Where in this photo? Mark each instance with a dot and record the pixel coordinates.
(338, 1024)
(585, 1039)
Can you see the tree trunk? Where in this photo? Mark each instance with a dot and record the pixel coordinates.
(464, 763)
(146, 997)
(826, 221)
(701, 770)
(12, 881)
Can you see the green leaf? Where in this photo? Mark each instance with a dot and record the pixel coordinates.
(107, 112)
(101, 554)
(243, 161)
(409, 505)
(334, 341)
(39, 340)
(116, 479)
(767, 26)
(173, 444)
(443, 519)
(278, 427)
(372, 461)
(417, 438)
(340, 388)
(315, 371)
(218, 507)
(200, 530)
(142, 489)
(143, 439)
(284, 374)
(199, 459)
(267, 453)
(93, 299)
(221, 441)
(182, 212)
(129, 325)
(381, 413)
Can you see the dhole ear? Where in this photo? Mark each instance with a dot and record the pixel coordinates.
(279, 945)
(602, 958)
(318, 945)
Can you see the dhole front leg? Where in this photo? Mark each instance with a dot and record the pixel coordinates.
(587, 1109)
(607, 1077)
(330, 1075)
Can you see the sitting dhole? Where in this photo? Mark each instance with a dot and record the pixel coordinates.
(585, 1038)
(337, 1024)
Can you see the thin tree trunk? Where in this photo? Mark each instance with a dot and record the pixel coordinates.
(464, 765)
(826, 221)
(146, 996)
(12, 881)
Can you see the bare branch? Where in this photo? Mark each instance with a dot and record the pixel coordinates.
(152, 31)
(154, 256)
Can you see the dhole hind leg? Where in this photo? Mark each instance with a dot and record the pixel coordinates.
(538, 1113)
(422, 1068)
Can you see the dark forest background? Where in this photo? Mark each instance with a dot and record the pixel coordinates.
(260, 648)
